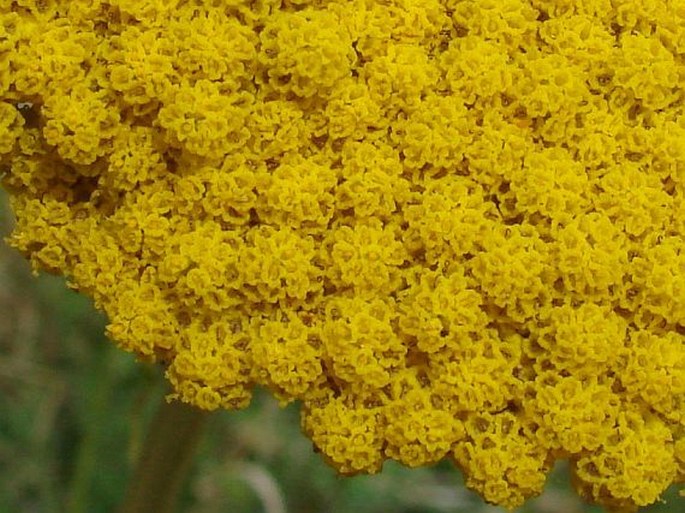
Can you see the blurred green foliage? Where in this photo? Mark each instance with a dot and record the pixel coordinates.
(74, 409)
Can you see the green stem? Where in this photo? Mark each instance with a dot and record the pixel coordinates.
(165, 459)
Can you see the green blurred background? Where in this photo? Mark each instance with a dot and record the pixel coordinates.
(74, 410)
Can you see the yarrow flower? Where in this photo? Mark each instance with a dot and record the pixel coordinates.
(447, 228)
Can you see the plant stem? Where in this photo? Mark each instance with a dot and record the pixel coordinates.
(165, 459)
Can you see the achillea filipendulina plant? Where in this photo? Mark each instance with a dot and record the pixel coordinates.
(447, 228)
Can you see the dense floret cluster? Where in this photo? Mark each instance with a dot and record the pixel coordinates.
(447, 228)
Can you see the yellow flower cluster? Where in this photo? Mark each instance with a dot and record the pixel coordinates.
(447, 228)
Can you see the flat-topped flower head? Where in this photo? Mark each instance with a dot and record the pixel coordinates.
(447, 229)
